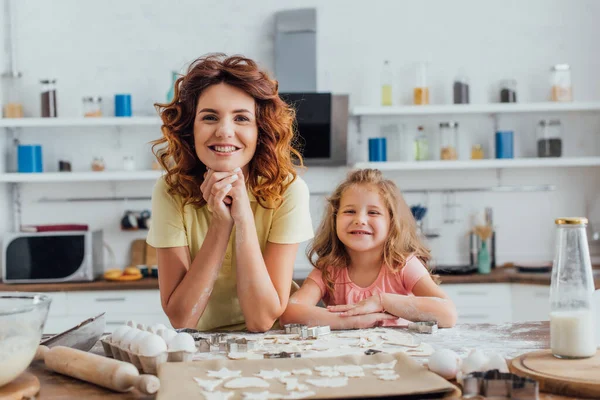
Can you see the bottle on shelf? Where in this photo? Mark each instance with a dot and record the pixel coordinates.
(421, 89)
(386, 84)
(13, 108)
(561, 83)
(489, 221)
(508, 91)
(549, 138)
(48, 98)
(449, 140)
(421, 145)
(460, 90)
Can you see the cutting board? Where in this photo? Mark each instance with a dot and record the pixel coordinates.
(25, 386)
(176, 379)
(578, 378)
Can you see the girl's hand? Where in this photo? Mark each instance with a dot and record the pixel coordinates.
(369, 305)
(240, 203)
(215, 188)
(372, 320)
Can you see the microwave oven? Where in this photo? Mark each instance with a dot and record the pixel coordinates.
(322, 126)
(50, 257)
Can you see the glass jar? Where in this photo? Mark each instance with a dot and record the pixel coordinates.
(461, 90)
(477, 152)
(561, 83)
(549, 138)
(48, 98)
(449, 140)
(421, 90)
(508, 91)
(386, 84)
(572, 324)
(421, 147)
(13, 108)
(92, 106)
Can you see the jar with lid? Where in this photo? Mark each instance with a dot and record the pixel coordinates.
(421, 145)
(48, 98)
(561, 83)
(508, 91)
(549, 138)
(13, 108)
(460, 89)
(572, 324)
(449, 140)
(92, 106)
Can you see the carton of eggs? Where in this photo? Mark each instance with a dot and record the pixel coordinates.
(148, 347)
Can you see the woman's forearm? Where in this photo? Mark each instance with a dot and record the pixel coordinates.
(188, 301)
(416, 308)
(259, 300)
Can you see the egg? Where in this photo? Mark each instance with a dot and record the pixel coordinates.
(141, 327)
(131, 323)
(182, 342)
(127, 338)
(166, 334)
(496, 361)
(151, 346)
(445, 363)
(155, 328)
(474, 362)
(118, 334)
(137, 339)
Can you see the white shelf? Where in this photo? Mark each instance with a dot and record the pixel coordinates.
(92, 176)
(492, 108)
(65, 122)
(483, 164)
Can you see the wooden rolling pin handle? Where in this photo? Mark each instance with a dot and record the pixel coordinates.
(40, 353)
(147, 384)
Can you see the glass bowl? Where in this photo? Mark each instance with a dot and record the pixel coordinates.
(22, 319)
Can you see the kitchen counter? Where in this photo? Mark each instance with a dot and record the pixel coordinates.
(498, 275)
(513, 339)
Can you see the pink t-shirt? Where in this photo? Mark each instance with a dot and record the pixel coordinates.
(347, 292)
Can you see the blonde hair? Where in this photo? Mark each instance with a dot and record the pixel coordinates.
(328, 254)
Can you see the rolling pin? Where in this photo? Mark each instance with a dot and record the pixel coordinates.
(106, 372)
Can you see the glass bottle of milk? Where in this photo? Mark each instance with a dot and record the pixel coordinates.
(572, 324)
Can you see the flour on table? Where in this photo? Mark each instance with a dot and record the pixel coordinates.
(272, 374)
(208, 384)
(354, 374)
(298, 395)
(303, 371)
(217, 395)
(422, 350)
(321, 368)
(224, 373)
(328, 382)
(382, 372)
(244, 356)
(347, 368)
(388, 365)
(242, 383)
(259, 396)
(330, 373)
(292, 384)
(388, 377)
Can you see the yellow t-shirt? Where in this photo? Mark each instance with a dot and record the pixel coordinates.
(173, 226)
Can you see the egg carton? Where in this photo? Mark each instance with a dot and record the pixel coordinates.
(148, 365)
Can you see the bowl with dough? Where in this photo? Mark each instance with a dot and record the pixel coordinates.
(22, 319)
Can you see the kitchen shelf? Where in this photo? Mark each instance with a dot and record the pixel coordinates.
(92, 176)
(491, 108)
(67, 122)
(482, 164)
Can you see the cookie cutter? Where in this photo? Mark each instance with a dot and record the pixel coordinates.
(294, 328)
(196, 334)
(315, 332)
(370, 352)
(218, 342)
(423, 327)
(204, 345)
(241, 345)
(283, 354)
(499, 385)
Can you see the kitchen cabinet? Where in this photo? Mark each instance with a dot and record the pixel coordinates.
(481, 303)
(530, 302)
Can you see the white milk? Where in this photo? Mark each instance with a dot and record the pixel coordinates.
(572, 333)
(16, 353)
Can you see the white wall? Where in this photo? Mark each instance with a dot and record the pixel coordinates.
(107, 47)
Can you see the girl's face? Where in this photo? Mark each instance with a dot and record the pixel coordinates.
(363, 221)
(225, 130)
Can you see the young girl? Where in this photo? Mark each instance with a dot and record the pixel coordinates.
(370, 263)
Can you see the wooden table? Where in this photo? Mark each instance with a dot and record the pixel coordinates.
(508, 339)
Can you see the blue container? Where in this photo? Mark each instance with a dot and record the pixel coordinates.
(504, 144)
(377, 149)
(122, 105)
(29, 158)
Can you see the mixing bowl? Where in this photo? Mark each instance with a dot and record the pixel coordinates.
(22, 319)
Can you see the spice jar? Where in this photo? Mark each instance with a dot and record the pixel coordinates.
(421, 145)
(48, 98)
(477, 152)
(508, 91)
(421, 90)
(572, 325)
(549, 138)
(561, 83)
(449, 140)
(92, 106)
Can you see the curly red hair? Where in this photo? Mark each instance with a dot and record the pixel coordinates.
(271, 169)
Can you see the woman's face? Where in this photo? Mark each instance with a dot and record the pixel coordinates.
(225, 130)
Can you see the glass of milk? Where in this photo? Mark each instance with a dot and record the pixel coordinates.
(572, 322)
